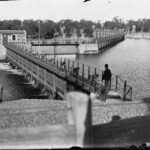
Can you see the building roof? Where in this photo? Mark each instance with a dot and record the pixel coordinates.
(7, 32)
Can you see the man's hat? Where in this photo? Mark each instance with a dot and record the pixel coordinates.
(106, 65)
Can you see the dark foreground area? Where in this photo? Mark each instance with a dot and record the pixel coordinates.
(15, 85)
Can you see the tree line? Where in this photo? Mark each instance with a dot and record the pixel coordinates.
(49, 28)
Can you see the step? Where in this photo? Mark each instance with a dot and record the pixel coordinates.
(114, 94)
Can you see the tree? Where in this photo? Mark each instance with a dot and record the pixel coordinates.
(31, 27)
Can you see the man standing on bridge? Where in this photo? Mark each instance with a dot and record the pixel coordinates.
(107, 78)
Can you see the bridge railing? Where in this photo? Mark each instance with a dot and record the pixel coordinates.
(92, 77)
(63, 41)
(119, 84)
(60, 40)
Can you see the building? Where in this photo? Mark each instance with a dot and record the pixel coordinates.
(17, 36)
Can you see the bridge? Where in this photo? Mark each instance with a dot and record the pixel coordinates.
(81, 45)
(57, 76)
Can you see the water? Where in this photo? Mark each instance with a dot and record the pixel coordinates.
(130, 59)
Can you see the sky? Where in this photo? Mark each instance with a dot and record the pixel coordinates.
(57, 10)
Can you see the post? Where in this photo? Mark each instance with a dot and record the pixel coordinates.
(124, 90)
(68, 65)
(102, 74)
(60, 63)
(54, 50)
(57, 63)
(79, 115)
(82, 74)
(65, 69)
(131, 93)
(89, 75)
(1, 93)
(116, 88)
(95, 79)
(77, 75)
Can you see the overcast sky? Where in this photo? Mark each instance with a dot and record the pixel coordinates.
(57, 10)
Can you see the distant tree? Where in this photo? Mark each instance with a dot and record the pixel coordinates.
(31, 27)
(69, 26)
(16, 24)
(146, 25)
(116, 23)
(87, 26)
(46, 28)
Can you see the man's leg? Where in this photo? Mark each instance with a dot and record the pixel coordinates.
(107, 86)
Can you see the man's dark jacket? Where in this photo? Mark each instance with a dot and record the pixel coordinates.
(106, 75)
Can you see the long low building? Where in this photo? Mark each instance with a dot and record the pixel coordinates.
(17, 36)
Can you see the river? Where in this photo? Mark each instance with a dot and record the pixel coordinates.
(129, 58)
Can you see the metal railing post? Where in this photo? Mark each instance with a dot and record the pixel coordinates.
(68, 65)
(95, 79)
(116, 88)
(102, 74)
(60, 63)
(77, 75)
(89, 75)
(124, 90)
(73, 64)
(57, 63)
(65, 65)
(131, 93)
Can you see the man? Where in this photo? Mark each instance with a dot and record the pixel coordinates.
(107, 78)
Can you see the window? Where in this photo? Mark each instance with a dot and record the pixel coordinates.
(13, 37)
